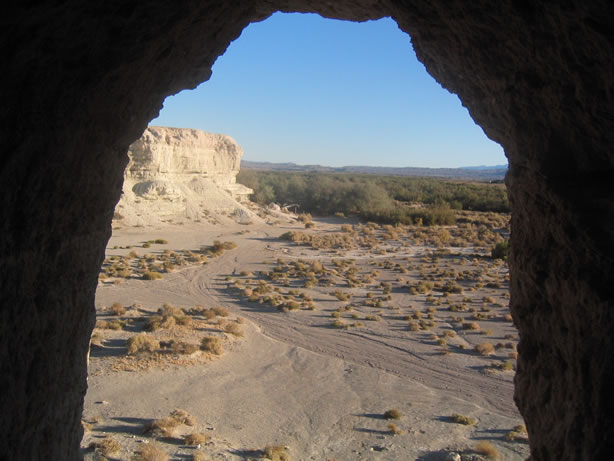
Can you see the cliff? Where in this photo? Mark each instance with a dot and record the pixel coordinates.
(178, 174)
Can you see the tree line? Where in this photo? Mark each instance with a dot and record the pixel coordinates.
(385, 199)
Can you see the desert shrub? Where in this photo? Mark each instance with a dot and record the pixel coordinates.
(183, 417)
(107, 446)
(276, 453)
(150, 452)
(199, 456)
(156, 322)
(212, 344)
(179, 347)
(484, 348)
(341, 296)
(161, 241)
(394, 429)
(461, 419)
(142, 343)
(471, 326)
(149, 275)
(487, 449)
(168, 310)
(291, 305)
(500, 250)
(164, 427)
(392, 414)
(197, 438)
(234, 329)
(117, 309)
(221, 311)
(110, 324)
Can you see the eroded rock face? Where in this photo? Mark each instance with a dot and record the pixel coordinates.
(84, 79)
(181, 174)
(168, 152)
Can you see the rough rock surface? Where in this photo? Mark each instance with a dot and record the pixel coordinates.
(178, 174)
(83, 79)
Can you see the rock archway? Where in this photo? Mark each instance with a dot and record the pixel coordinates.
(81, 81)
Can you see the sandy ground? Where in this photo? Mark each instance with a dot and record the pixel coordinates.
(293, 380)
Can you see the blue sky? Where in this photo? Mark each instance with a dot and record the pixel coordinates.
(303, 89)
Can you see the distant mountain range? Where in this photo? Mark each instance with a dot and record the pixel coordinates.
(475, 173)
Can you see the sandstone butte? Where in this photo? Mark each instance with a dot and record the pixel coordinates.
(180, 174)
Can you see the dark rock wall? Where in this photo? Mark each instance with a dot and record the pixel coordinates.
(81, 80)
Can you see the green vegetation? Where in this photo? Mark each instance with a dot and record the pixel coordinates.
(384, 199)
(500, 250)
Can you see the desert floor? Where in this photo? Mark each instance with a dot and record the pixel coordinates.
(311, 372)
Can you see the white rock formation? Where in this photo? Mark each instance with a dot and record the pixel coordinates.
(178, 174)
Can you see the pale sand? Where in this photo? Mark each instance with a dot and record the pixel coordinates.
(293, 380)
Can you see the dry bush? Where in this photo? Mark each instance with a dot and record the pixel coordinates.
(164, 427)
(471, 326)
(392, 414)
(341, 296)
(484, 348)
(305, 217)
(461, 419)
(221, 311)
(142, 343)
(197, 438)
(291, 305)
(487, 449)
(150, 275)
(234, 328)
(276, 453)
(394, 429)
(208, 314)
(150, 452)
(199, 456)
(167, 310)
(156, 322)
(184, 321)
(212, 344)
(517, 432)
(179, 347)
(106, 446)
(117, 309)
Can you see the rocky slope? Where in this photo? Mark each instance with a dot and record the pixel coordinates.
(179, 174)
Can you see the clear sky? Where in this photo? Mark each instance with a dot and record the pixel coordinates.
(303, 89)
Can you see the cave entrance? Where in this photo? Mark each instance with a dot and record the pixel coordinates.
(427, 290)
(535, 76)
